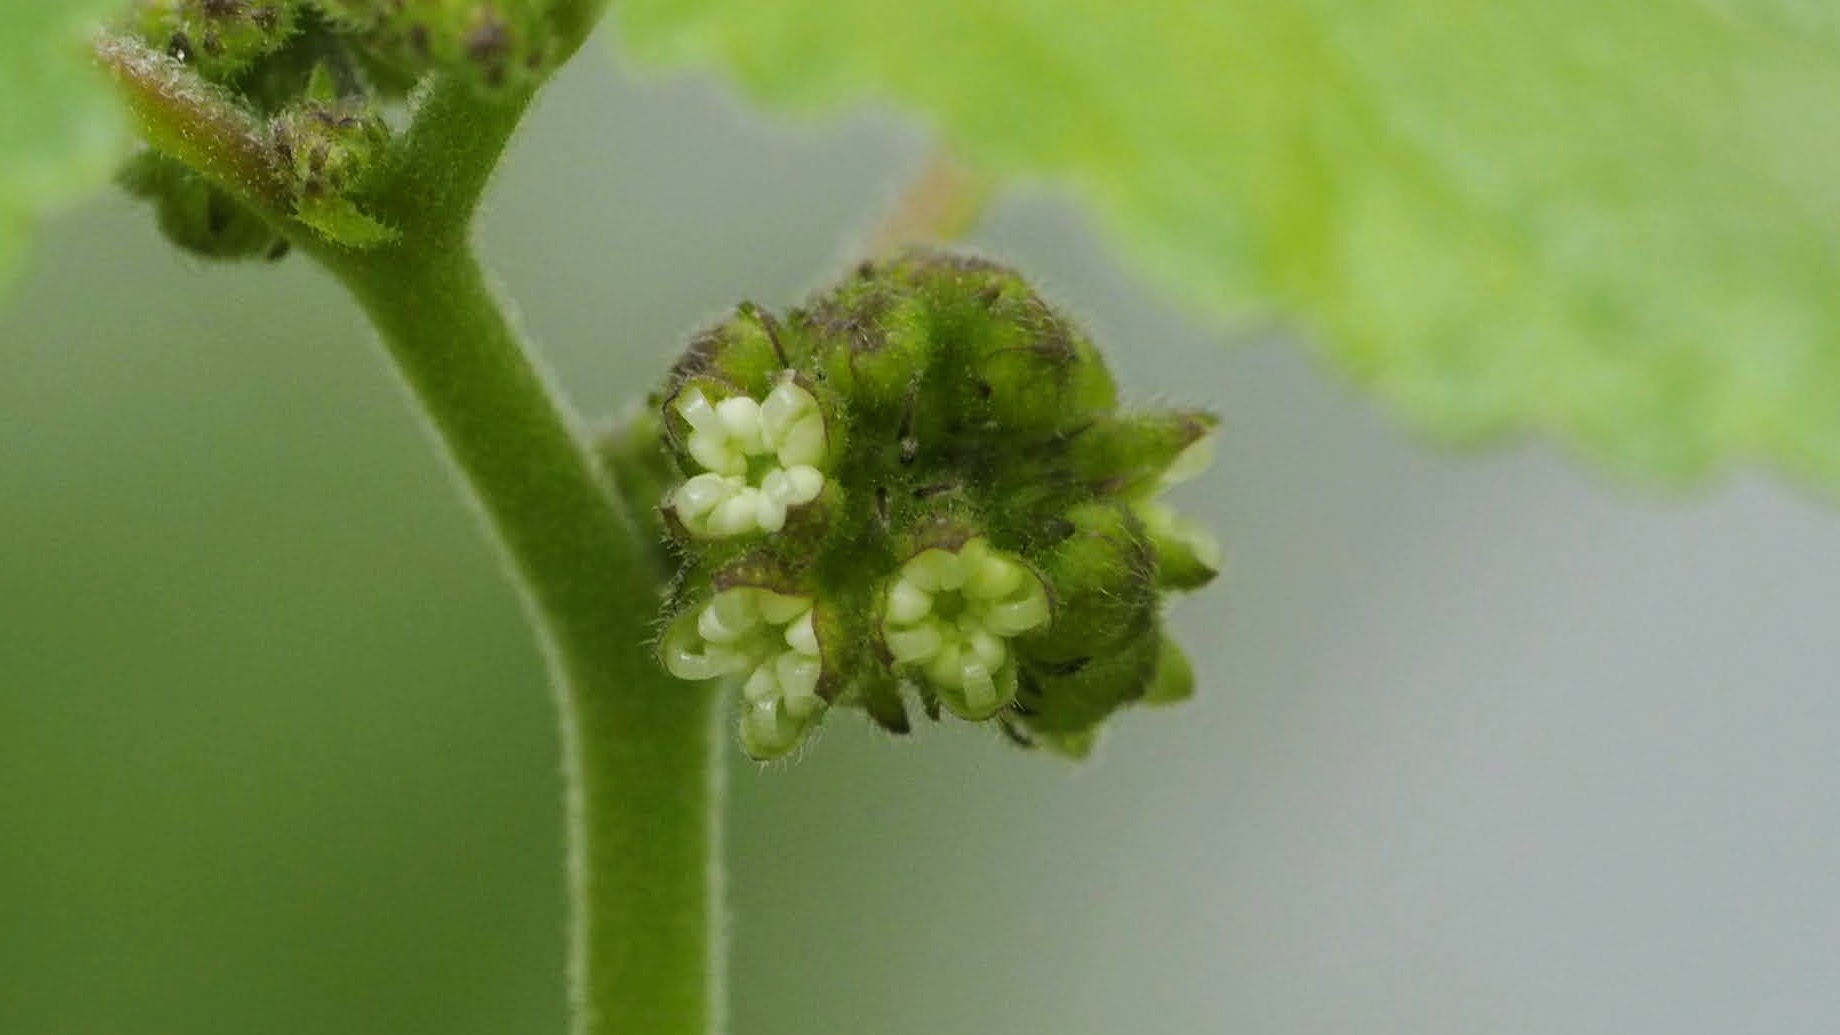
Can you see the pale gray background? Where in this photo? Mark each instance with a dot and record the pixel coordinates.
(1483, 743)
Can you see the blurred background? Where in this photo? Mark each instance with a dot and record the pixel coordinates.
(1483, 743)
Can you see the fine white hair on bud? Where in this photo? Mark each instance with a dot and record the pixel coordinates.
(760, 459)
(772, 639)
(948, 616)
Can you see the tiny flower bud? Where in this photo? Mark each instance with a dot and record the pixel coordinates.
(1079, 696)
(1103, 577)
(217, 38)
(327, 147)
(1141, 454)
(1175, 677)
(879, 343)
(197, 215)
(1187, 554)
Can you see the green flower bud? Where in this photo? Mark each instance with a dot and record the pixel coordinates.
(915, 487)
(747, 350)
(1175, 677)
(1139, 455)
(1103, 577)
(877, 342)
(197, 215)
(1187, 554)
(498, 45)
(218, 38)
(1074, 698)
(327, 147)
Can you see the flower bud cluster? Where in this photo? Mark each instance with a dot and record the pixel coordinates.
(496, 43)
(918, 489)
(318, 74)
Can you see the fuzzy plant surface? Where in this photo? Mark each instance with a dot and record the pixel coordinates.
(918, 491)
(919, 488)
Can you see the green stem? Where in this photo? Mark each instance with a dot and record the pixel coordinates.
(641, 751)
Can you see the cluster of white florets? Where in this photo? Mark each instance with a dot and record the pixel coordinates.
(760, 459)
(949, 615)
(771, 637)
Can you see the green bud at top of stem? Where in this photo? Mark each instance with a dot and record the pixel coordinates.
(284, 101)
(917, 488)
(219, 38)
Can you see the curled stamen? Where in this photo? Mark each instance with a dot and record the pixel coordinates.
(947, 616)
(771, 637)
(738, 435)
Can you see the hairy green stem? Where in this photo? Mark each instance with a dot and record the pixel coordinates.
(642, 751)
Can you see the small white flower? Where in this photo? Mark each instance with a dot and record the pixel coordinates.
(948, 616)
(770, 637)
(759, 458)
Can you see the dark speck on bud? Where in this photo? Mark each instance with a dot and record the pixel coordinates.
(918, 488)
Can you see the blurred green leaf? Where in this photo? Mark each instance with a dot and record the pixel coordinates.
(60, 132)
(1617, 222)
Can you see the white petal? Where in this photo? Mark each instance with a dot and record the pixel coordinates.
(933, 570)
(741, 419)
(980, 690)
(802, 636)
(762, 685)
(802, 443)
(1012, 618)
(993, 577)
(798, 675)
(767, 732)
(735, 516)
(803, 709)
(987, 648)
(803, 484)
(694, 406)
(916, 644)
(780, 608)
(785, 406)
(728, 617)
(908, 603)
(947, 668)
(769, 513)
(716, 453)
(701, 494)
(685, 662)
